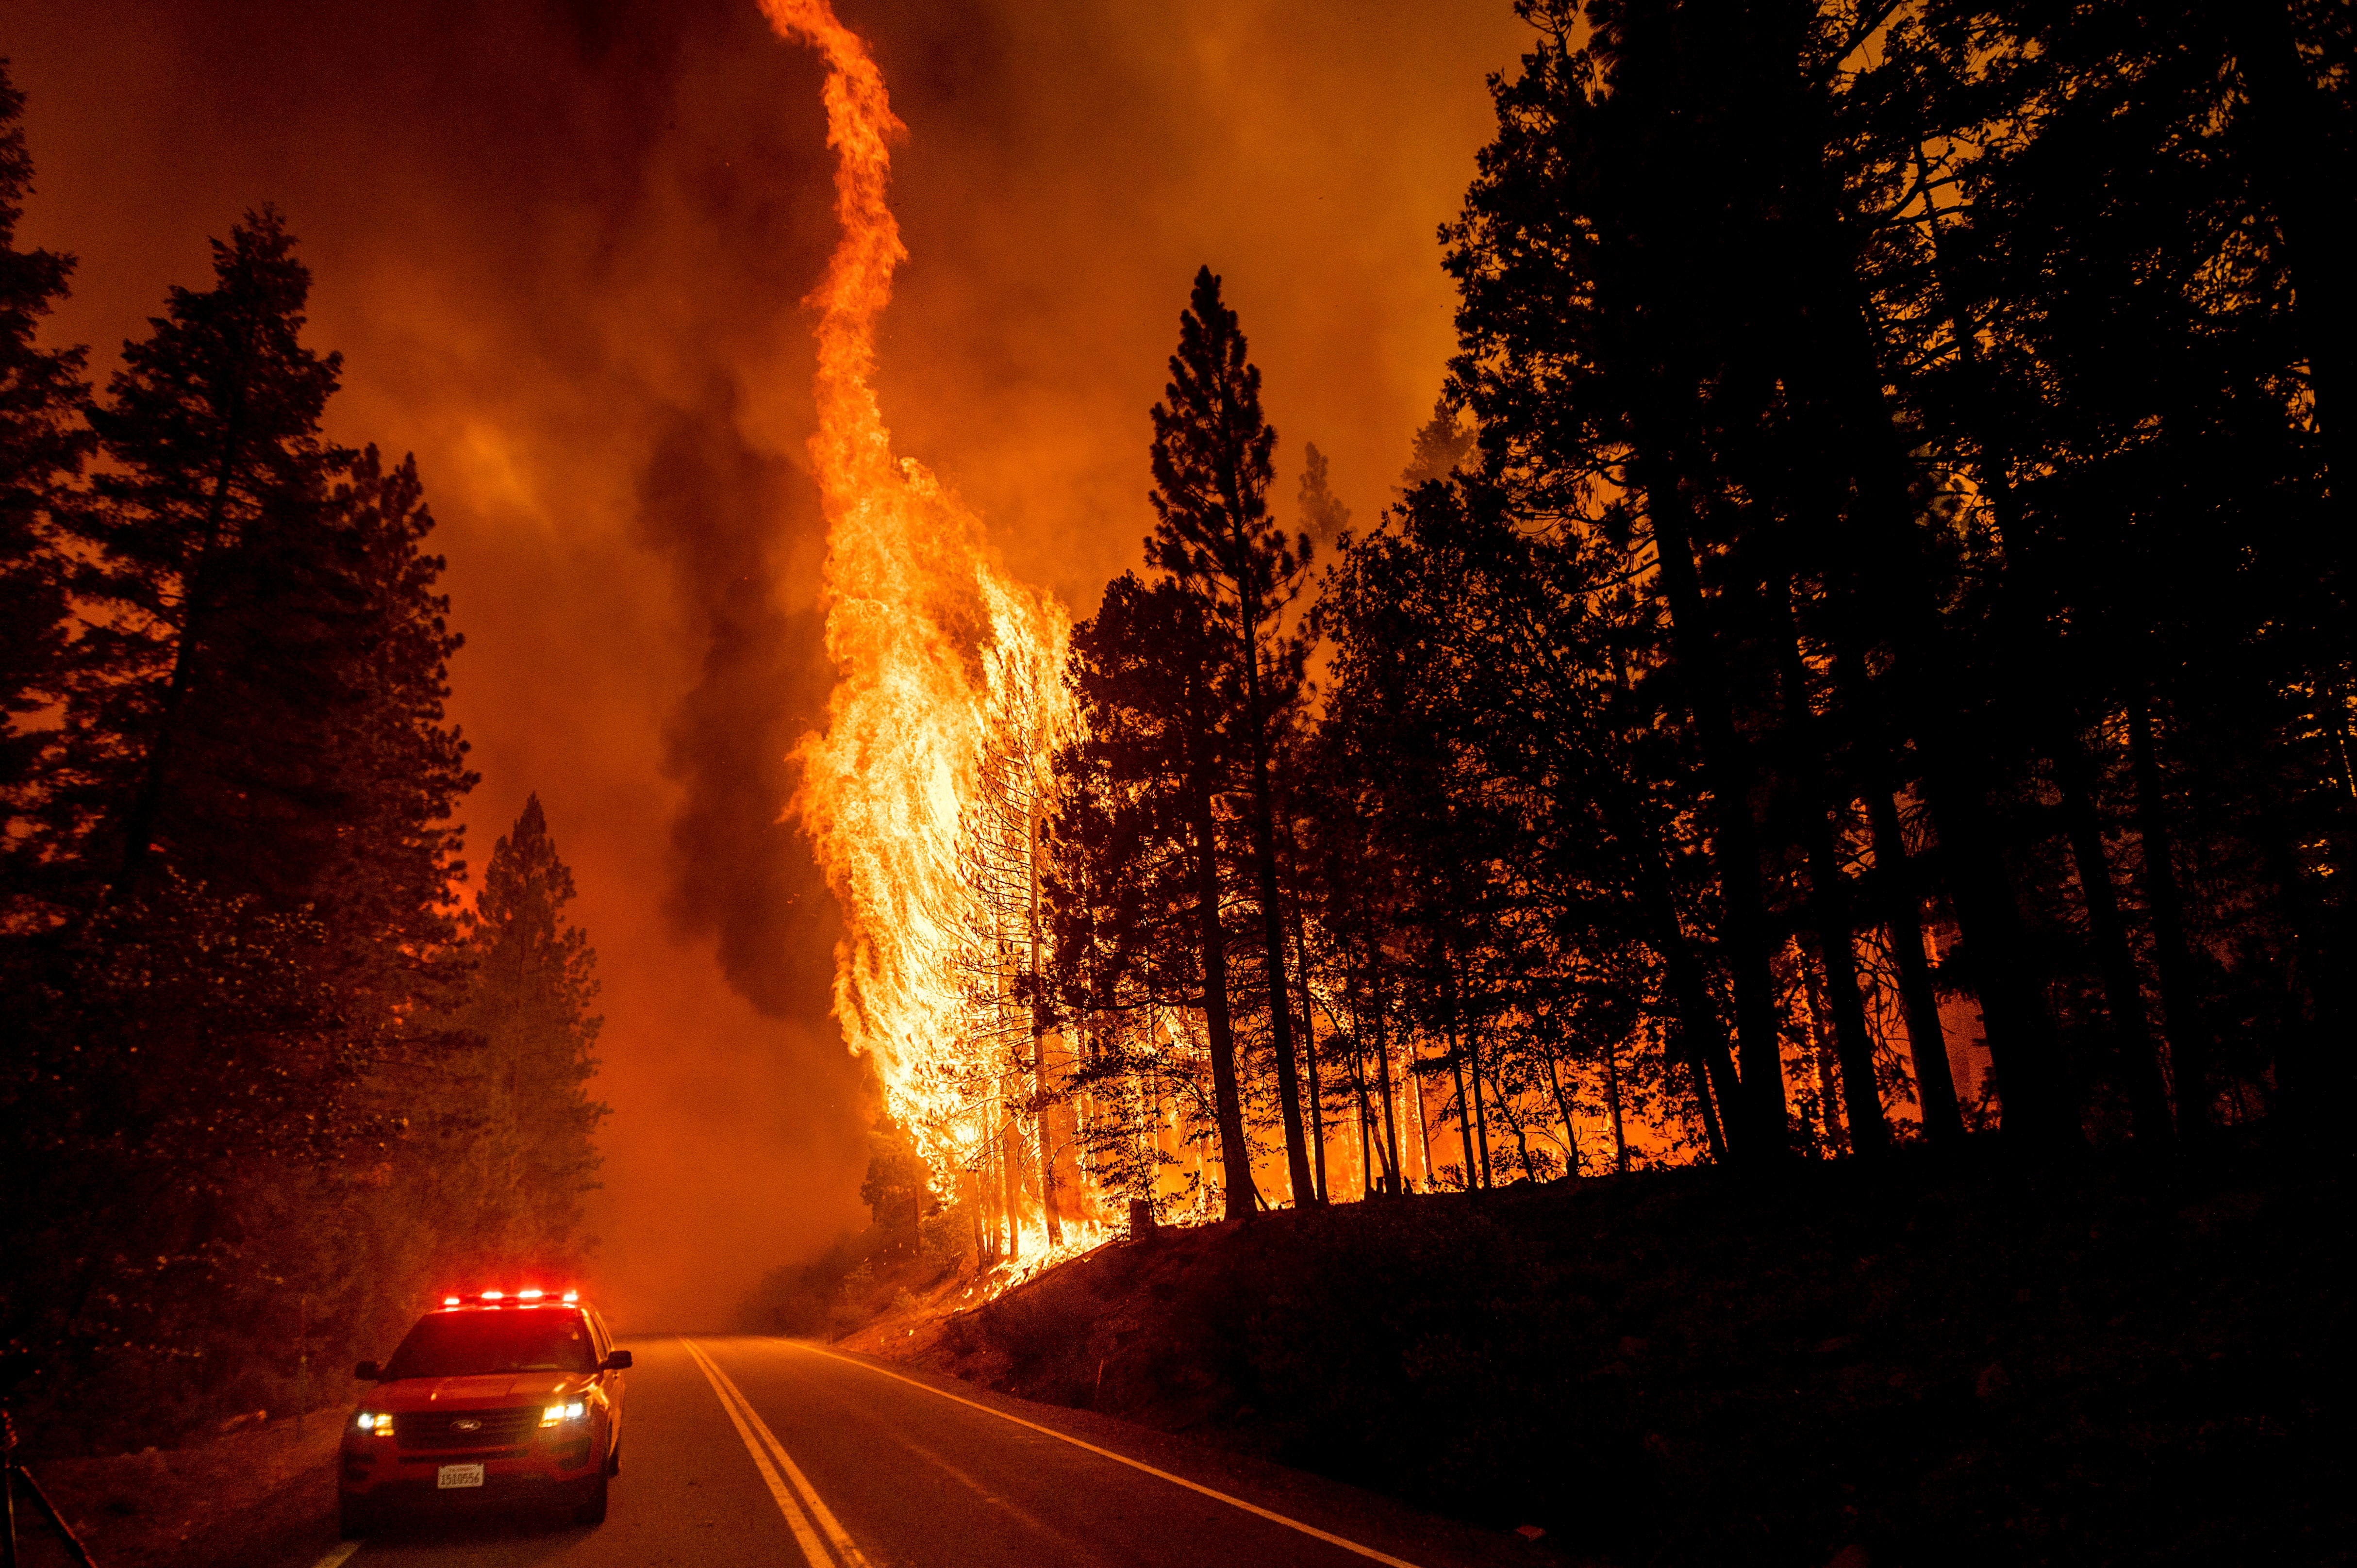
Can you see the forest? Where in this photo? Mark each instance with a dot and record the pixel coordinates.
(1860, 658)
(275, 1069)
(1857, 665)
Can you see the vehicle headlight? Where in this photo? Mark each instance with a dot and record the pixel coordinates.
(374, 1422)
(555, 1414)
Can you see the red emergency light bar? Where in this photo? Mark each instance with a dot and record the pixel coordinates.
(531, 1295)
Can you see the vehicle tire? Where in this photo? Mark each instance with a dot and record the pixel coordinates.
(592, 1508)
(354, 1518)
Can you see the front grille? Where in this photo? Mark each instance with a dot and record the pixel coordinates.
(432, 1429)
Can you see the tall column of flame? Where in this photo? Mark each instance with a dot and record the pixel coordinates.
(924, 629)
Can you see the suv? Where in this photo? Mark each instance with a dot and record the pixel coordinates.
(507, 1397)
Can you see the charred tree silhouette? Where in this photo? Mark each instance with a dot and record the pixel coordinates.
(1212, 472)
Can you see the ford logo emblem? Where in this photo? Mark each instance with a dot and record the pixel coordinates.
(466, 1426)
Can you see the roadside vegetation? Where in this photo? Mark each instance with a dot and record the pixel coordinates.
(1936, 1361)
(274, 1069)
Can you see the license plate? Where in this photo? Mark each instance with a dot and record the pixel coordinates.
(450, 1475)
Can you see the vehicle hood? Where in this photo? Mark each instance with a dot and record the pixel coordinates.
(487, 1393)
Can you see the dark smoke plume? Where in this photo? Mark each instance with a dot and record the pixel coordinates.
(741, 875)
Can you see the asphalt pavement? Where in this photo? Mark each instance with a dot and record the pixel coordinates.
(784, 1453)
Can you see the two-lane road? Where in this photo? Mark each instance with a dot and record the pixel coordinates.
(777, 1452)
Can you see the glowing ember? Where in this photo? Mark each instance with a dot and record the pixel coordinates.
(923, 793)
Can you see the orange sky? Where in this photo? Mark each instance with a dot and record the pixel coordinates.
(563, 246)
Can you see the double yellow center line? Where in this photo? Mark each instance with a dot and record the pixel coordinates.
(806, 1515)
(799, 1501)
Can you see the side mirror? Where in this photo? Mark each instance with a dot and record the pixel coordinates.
(369, 1373)
(616, 1361)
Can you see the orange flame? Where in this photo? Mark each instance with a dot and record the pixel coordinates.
(948, 673)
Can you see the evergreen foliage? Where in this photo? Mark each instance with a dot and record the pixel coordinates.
(43, 445)
(264, 1091)
(530, 1157)
(1860, 654)
(1213, 460)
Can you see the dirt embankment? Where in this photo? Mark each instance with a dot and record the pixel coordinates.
(255, 1498)
(1926, 1364)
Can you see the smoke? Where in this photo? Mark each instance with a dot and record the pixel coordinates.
(721, 510)
(563, 245)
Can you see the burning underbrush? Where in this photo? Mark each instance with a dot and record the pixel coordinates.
(886, 1283)
(1919, 1364)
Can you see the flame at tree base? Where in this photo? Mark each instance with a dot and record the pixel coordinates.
(1036, 1255)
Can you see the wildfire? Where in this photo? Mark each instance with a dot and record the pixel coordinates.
(922, 793)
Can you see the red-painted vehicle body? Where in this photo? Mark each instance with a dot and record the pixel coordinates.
(496, 1400)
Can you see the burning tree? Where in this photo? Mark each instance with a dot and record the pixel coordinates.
(925, 793)
(1006, 1025)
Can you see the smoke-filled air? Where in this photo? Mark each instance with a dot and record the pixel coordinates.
(1521, 782)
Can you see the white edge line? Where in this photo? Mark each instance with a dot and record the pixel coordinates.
(844, 1548)
(1347, 1545)
(796, 1520)
(340, 1556)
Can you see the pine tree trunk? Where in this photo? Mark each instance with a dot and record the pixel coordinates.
(1844, 381)
(1481, 1105)
(1366, 1131)
(2018, 1027)
(989, 1191)
(1829, 902)
(1727, 773)
(1927, 1044)
(1010, 1165)
(1235, 1156)
(1998, 960)
(1039, 1045)
(1701, 1033)
(2132, 1040)
(1308, 1025)
(1819, 1056)
(1576, 1165)
(1612, 1103)
(1391, 1121)
(1045, 1153)
(1464, 1106)
(1249, 601)
(1280, 1007)
(1870, 1130)
(1521, 1139)
(1471, 1040)
(1713, 1136)
(1423, 1116)
(2180, 991)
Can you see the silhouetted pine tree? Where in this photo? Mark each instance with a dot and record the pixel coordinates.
(1212, 450)
(528, 1001)
(233, 927)
(43, 443)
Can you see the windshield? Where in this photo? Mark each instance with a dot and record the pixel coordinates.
(514, 1339)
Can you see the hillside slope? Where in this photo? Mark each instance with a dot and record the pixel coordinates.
(1915, 1365)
